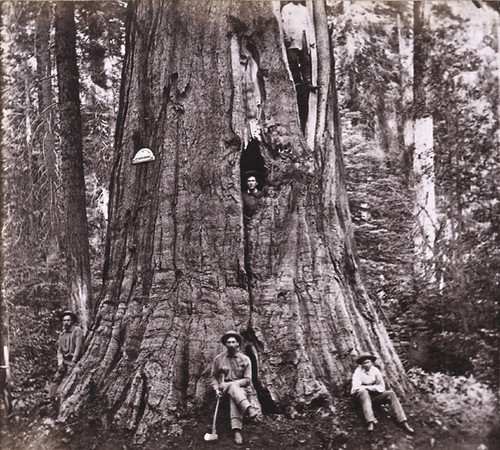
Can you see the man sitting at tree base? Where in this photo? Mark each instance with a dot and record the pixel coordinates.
(69, 348)
(368, 387)
(231, 375)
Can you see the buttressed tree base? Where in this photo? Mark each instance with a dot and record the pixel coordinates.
(204, 82)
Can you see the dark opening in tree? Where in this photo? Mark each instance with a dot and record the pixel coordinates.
(252, 163)
(252, 351)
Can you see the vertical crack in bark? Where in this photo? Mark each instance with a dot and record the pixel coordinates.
(130, 405)
(251, 162)
(248, 265)
(142, 400)
(248, 94)
(252, 349)
(175, 196)
(184, 372)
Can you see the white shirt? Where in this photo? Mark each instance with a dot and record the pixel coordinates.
(295, 21)
(371, 379)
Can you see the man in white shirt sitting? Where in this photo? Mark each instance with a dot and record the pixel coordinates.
(369, 388)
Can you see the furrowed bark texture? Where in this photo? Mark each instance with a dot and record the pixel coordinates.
(76, 236)
(202, 82)
(4, 320)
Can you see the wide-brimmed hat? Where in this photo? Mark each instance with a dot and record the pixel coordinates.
(364, 356)
(73, 316)
(229, 334)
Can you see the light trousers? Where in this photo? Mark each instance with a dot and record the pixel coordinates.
(369, 398)
(238, 404)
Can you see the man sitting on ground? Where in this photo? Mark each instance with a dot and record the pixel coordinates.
(69, 348)
(368, 387)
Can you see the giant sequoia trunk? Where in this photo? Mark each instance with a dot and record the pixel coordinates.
(206, 87)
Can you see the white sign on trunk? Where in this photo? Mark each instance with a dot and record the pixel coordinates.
(143, 155)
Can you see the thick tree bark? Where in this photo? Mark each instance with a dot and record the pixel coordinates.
(76, 236)
(182, 266)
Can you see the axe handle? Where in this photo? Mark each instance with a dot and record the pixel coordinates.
(214, 430)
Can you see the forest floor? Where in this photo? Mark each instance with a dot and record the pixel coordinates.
(37, 428)
(447, 412)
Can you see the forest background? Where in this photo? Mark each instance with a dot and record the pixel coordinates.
(440, 304)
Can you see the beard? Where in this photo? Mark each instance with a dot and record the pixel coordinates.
(231, 351)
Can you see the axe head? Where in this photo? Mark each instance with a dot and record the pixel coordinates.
(211, 436)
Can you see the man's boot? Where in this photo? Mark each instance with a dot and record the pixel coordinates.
(251, 412)
(238, 438)
(407, 427)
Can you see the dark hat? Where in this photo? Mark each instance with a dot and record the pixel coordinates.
(252, 173)
(73, 316)
(364, 356)
(229, 334)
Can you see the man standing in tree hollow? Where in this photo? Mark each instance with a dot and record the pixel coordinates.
(297, 28)
(69, 348)
(231, 374)
(251, 196)
(368, 387)
(298, 31)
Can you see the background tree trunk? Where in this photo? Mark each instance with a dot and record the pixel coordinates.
(46, 136)
(4, 322)
(423, 155)
(76, 236)
(406, 136)
(181, 265)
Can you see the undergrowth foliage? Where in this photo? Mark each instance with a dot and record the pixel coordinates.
(448, 323)
(456, 401)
